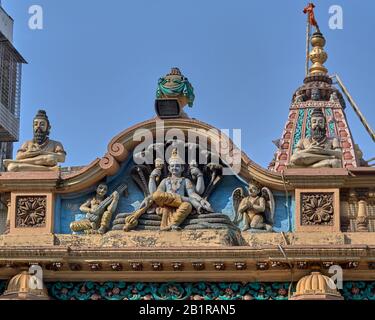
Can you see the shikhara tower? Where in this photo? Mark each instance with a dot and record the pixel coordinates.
(317, 91)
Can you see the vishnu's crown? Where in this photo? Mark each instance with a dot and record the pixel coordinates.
(175, 158)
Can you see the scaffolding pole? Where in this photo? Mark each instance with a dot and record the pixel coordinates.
(355, 107)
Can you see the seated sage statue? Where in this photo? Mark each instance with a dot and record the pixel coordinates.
(41, 153)
(99, 211)
(318, 151)
(175, 196)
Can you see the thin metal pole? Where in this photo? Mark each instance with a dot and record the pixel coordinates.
(308, 31)
(355, 107)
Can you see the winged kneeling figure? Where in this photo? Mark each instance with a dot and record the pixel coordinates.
(256, 207)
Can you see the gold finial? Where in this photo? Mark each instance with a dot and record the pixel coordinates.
(317, 55)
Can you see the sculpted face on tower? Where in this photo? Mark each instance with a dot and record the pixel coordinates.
(318, 122)
(41, 127)
(318, 125)
(315, 94)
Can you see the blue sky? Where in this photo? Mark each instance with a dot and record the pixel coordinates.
(95, 65)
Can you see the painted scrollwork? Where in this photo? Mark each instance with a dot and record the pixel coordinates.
(31, 211)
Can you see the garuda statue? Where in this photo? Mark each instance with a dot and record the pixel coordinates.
(256, 209)
(174, 197)
(40, 153)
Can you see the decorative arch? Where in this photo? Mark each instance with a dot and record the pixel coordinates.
(121, 147)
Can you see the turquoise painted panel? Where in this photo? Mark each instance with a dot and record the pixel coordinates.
(331, 123)
(167, 291)
(293, 210)
(356, 290)
(283, 213)
(308, 123)
(298, 131)
(352, 290)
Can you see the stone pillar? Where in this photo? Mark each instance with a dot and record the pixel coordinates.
(362, 220)
(362, 216)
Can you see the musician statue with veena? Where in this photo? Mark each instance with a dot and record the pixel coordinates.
(99, 211)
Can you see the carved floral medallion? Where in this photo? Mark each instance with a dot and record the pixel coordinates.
(31, 211)
(317, 208)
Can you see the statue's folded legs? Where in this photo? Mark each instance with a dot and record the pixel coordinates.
(172, 219)
(15, 166)
(254, 221)
(83, 225)
(315, 161)
(89, 227)
(331, 163)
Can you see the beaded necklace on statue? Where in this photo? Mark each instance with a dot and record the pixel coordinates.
(175, 184)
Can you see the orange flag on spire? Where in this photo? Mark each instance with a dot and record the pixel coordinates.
(310, 11)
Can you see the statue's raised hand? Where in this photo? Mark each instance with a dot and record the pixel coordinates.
(93, 217)
(116, 195)
(206, 206)
(195, 172)
(156, 173)
(195, 203)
